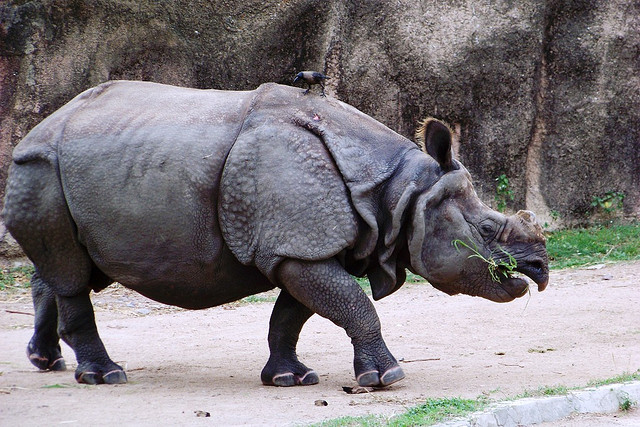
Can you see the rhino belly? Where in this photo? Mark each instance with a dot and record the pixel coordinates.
(191, 285)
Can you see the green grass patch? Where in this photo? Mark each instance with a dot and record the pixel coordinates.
(579, 247)
(437, 410)
(561, 390)
(16, 277)
(364, 284)
(431, 412)
(623, 378)
(414, 278)
(626, 403)
(364, 421)
(556, 390)
(260, 298)
(59, 386)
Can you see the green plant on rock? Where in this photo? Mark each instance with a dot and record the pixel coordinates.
(495, 267)
(503, 193)
(625, 402)
(555, 217)
(609, 203)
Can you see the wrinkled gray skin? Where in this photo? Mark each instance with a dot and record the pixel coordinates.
(197, 198)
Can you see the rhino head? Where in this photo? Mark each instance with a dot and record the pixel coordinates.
(460, 245)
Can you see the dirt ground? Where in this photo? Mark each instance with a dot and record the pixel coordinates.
(183, 365)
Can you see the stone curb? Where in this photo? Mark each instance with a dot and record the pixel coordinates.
(524, 412)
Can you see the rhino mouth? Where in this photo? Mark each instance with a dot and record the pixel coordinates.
(517, 286)
(537, 270)
(514, 287)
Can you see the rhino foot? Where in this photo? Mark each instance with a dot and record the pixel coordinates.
(288, 374)
(46, 359)
(374, 365)
(290, 379)
(374, 379)
(94, 373)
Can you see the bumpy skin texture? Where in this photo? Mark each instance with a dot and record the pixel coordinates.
(196, 198)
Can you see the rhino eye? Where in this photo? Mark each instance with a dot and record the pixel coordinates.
(487, 229)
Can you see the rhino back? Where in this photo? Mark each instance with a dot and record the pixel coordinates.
(140, 167)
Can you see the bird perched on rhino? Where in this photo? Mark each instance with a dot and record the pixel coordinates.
(311, 78)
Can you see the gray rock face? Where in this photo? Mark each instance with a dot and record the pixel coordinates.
(547, 93)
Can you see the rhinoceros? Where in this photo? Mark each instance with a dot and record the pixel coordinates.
(196, 198)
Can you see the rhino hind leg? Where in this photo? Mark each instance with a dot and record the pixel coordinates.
(75, 324)
(43, 349)
(327, 289)
(283, 367)
(37, 216)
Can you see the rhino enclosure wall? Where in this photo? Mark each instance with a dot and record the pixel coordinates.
(544, 92)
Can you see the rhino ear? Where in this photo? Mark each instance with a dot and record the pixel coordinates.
(434, 137)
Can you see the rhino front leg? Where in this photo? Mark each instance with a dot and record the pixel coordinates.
(77, 327)
(283, 367)
(327, 289)
(43, 349)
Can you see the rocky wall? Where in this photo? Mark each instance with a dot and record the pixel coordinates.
(544, 92)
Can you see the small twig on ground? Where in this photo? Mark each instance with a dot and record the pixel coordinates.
(19, 312)
(419, 360)
(609, 251)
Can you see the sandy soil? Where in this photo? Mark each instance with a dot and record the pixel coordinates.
(622, 419)
(183, 365)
